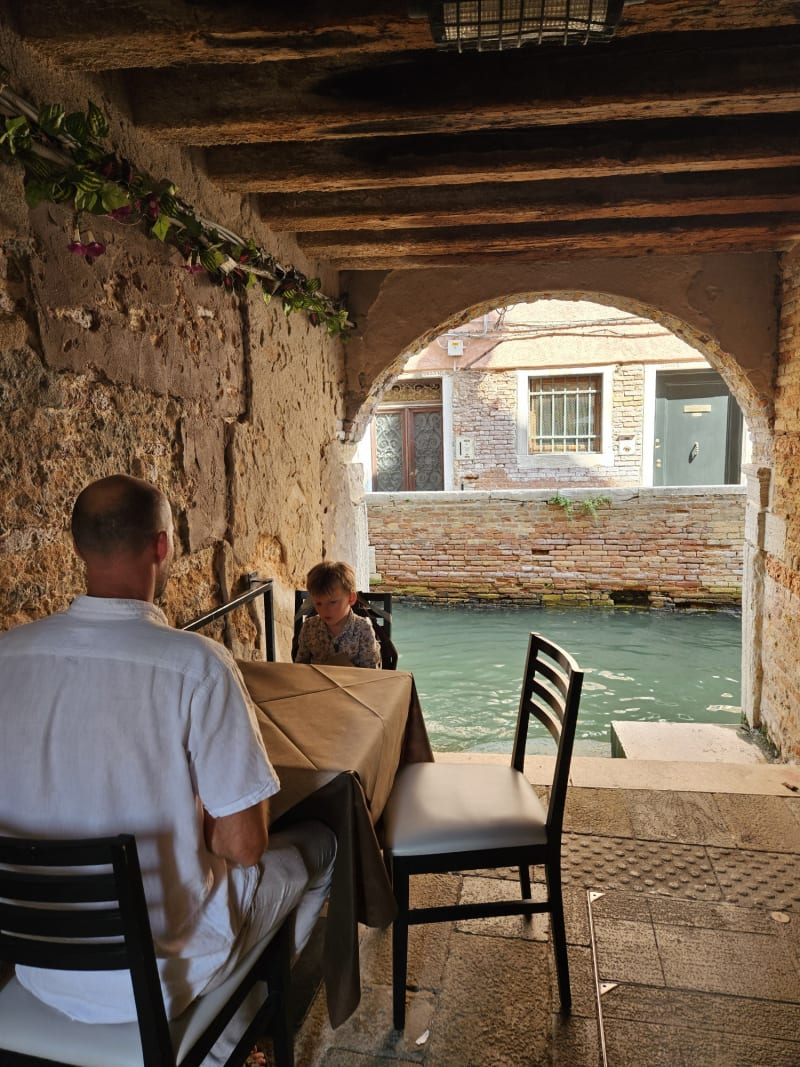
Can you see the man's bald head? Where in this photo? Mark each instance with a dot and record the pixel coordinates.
(118, 514)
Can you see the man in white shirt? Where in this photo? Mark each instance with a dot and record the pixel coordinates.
(111, 721)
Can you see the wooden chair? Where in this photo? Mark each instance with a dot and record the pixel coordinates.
(42, 924)
(454, 817)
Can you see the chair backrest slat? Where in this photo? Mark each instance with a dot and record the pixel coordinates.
(64, 956)
(42, 926)
(60, 923)
(551, 692)
(62, 888)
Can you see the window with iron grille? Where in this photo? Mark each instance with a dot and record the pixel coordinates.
(564, 414)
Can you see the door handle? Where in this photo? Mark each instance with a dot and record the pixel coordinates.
(694, 452)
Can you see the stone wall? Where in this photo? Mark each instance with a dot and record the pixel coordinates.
(130, 364)
(658, 547)
(780, 686)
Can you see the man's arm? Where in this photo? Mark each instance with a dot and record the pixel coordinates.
(240, 838)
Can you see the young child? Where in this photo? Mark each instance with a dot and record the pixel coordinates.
(336, 634)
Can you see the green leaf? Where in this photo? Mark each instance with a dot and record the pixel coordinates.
(17, 136)
(169, 204)
(51, 117)
(77, 127)
(97, 121)
(211, 259)
(87, 181)
(86, 200)
(160, 227)
(113, 197)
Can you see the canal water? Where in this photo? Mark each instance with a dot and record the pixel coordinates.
(640, 666)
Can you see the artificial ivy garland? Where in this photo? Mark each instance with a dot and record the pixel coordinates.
(65, 162)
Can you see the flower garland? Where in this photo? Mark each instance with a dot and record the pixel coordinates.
(65, 163)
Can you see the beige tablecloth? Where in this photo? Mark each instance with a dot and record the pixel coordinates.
(336, 736)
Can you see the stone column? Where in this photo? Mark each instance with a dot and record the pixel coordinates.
(758, 480)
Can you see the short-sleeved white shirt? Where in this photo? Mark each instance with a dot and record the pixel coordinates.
(111, 721)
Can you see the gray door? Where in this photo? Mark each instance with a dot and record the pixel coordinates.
(698, 430)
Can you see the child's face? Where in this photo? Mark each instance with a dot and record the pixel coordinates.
(334, 606)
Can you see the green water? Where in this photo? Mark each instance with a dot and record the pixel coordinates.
(640, 666)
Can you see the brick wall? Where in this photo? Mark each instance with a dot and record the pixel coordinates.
(662, 547)
(485, 411)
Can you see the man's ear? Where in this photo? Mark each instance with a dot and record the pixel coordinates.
(77, 551)
(161, 545)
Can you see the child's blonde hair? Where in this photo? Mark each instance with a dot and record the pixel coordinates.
(324, 576)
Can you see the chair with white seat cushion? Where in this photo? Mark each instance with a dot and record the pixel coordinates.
(467, 816)
(79, 905)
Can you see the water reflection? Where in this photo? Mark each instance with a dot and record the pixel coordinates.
(642, 666)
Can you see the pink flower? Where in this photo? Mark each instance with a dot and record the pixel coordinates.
(90, 247)
(121, 213)
(193, 267)
(76, 246)
(94, 248)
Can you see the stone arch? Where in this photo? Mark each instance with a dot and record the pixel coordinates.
(723, 306)
(757, 410)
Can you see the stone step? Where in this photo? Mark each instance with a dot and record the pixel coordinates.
(695, 742)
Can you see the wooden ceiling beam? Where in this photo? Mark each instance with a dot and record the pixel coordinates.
(734, 193)
(657, 238)
(161, 33)
(435, 94)
(565, 155)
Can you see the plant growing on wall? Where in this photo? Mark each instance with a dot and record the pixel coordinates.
(66, 162)
(589, 505)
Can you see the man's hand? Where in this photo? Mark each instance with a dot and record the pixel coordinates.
(240, 838)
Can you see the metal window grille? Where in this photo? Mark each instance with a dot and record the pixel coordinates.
(565, 414)
(493, 25)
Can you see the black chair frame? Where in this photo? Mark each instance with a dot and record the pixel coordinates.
(551, 693)
(41, 882)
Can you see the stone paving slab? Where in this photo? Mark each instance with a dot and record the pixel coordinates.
(769, 822)
(496, 1001)
(697, 983)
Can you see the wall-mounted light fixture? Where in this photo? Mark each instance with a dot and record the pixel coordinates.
(495, 25)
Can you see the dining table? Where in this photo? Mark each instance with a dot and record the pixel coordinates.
(336, 736)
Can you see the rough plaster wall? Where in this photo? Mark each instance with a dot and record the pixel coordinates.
(725, 306)
(129, 364)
